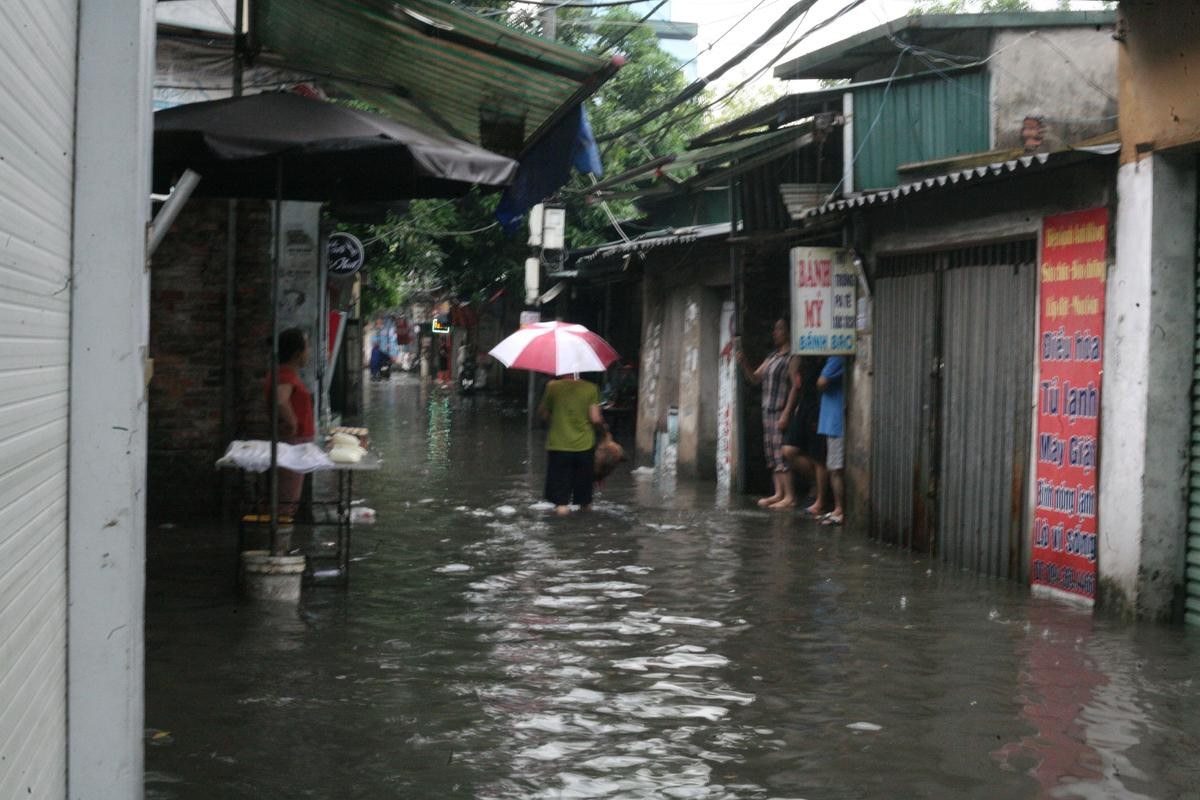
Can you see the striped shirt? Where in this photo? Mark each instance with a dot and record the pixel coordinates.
(775, 382)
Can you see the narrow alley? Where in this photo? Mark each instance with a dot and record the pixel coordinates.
(665, 645)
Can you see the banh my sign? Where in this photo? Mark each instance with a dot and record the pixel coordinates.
(824, 301)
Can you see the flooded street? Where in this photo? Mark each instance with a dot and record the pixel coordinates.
(663, 646)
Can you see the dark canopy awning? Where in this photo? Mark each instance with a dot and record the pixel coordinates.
(328, 152)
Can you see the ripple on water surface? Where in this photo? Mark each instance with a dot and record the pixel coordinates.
(660, 647)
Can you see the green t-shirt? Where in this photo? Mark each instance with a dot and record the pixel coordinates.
(568, 402)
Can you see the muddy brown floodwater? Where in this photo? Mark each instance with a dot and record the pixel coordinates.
(664, 646)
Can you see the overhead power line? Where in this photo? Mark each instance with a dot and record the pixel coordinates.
(568, 4)
(697, 86)
(791, 45)
(727, 31)
(632, 28)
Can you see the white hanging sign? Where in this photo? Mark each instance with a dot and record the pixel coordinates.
(824, 301)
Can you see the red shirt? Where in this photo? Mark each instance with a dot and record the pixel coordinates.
(301, 401)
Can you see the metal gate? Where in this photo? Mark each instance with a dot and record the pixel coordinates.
(987, 375)
(951, 414)
(901, 450)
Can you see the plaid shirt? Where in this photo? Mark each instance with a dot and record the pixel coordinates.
(775, 382)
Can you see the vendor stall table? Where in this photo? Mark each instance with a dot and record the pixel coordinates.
(336, 513)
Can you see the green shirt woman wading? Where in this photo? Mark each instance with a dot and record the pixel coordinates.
(567, 403)
(572, 409)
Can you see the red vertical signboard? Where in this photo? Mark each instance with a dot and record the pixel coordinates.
(1070, 356)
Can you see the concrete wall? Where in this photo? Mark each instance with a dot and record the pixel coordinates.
(1066, 76)
(681, 310)
(1159, 62)
(106, 547)
(698, 381)
(859, 398)
(1146, 408)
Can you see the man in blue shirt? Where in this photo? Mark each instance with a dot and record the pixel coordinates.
(831, 425)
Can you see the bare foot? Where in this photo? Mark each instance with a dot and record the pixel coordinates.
(814, 510)
(783, 505)
(769, 501)
(562, 511)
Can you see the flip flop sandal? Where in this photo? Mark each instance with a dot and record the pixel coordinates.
(830, 519)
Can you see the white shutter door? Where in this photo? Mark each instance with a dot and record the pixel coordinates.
(37, 113)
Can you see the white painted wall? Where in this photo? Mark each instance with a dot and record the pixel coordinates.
(1124, 391)
(37, 126)
(107, 452)
(1146, 402)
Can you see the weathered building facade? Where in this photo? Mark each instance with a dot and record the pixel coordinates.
(1149, 506)
(953, 174)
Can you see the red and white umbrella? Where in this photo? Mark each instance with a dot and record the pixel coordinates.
(555, 348)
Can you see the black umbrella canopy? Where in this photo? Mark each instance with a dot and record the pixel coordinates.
(328, 152)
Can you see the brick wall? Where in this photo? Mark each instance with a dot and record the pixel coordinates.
(187, 427)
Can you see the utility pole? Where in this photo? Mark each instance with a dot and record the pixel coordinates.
(550, 23)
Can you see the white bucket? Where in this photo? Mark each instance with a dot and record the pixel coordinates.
(268, 577)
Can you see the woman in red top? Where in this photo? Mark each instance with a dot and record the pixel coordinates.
(295, 411)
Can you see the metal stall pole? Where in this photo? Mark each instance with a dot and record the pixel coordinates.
(276, 549)
(229, 350)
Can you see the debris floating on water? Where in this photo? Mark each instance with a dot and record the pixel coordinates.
(864, 726)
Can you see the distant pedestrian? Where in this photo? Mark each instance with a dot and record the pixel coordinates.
(572, 408)
(378, 361)
(772, 373)
(832, 426)
(803, 447)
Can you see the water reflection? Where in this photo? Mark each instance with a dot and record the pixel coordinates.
(662, 646)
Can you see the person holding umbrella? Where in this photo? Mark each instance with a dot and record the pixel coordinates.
(571, 408)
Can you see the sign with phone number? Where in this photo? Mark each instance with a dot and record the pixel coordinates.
(1072, 273)
(824, 301)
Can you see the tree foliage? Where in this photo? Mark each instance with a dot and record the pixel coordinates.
(438, 246)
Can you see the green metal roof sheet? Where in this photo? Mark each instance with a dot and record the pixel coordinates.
(702, 158)
(843, 59)
(432, 65)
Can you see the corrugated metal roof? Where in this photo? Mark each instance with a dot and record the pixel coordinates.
(949, 179)
(845, 58)
(432, 65)
(917, 120)
(1098, 146)
(714, 164)
(668, 237)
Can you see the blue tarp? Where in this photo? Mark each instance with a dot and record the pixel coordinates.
(547, 167)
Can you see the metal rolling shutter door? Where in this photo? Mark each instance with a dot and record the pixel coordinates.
(1192, 580)
(905, 320)
(989, 323)
(37, 113)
